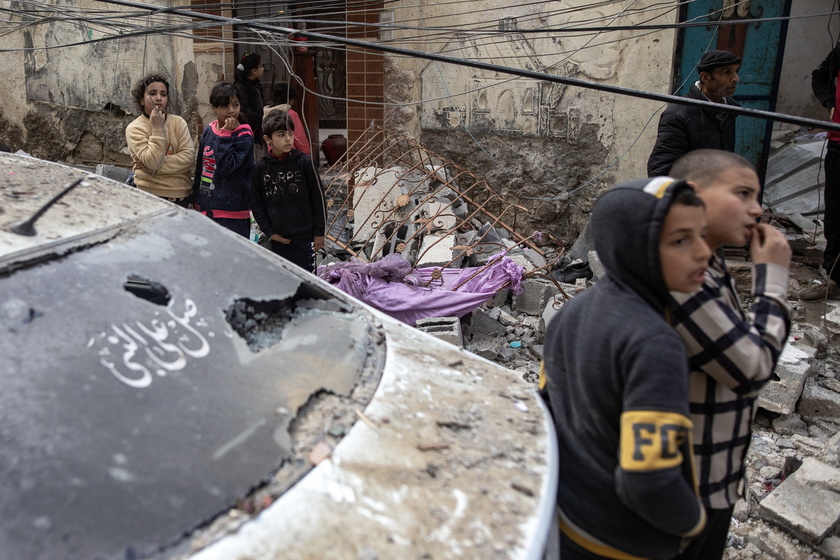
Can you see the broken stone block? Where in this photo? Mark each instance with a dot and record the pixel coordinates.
(507, 319)
(536, 293)
(436, 250)
(789, 424)
(806, 502)
(519, 258)
(444, 328)
(819, 401)
(439, 214)
(482, 323)
(527, 258)
(832, 321)
(375, 197)
(485, 346)
(793, 366)
(463, 242)
(830, 548)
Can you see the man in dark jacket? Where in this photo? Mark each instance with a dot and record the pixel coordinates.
(824, 84)
(683, 128)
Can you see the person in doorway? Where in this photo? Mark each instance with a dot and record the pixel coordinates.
(283, 98)
(224, 164)
(731, 354)
(286, 195)
(616, 376)
(161, 148)
(824, 85)
(249, 72)
(683, 128)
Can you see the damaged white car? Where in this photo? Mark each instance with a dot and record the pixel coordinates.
(172, 390)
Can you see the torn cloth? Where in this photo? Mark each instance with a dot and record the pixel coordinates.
(388, 286)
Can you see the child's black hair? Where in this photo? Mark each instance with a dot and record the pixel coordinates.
(282, 93)
(248, 62)
(139, 89)
(687, 197)
(277, 121)
(222, 94)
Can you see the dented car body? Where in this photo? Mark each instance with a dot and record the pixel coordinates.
(160, 372)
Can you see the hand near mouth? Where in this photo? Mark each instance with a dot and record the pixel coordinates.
(158, 118)
(230, 124)
(769, 246)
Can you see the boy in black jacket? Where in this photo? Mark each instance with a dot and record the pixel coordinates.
(617, 380)
(286, 196)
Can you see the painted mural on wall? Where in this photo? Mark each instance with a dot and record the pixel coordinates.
(66, 66)
(486, 101)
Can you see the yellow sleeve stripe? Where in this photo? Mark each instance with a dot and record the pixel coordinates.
(543, 378)
(595, 547)
(651, 439)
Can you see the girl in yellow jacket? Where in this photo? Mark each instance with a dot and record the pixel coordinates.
(161, 147)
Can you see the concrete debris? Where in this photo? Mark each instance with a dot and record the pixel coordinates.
(394, 196)
(793, 367)
(536, 293)
(807, 503)
(444, 328)
(818, 400)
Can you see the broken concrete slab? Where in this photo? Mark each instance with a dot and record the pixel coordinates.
(483, 323)
(444, 328)
(830, 548)
(793, 367)
(375, 198)
(485, 346)
(440, 215)
(806, 503)
(536, 293)
(818, 401)
(436, 250)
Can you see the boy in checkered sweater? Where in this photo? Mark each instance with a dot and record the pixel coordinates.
(732, 353)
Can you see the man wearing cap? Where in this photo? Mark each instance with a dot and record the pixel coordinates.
(824, 85)
(683, 128)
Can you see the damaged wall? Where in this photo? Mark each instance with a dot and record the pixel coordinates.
(538, 142)
(77, 99)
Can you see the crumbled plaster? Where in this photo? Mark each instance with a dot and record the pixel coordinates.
(399, 88)
(532, 172)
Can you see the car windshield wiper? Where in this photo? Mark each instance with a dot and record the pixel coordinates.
(27, 227)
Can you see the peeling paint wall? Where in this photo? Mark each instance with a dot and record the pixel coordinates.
(803, 56)
(553, 146)
(76, 99)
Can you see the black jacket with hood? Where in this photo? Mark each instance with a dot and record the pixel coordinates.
(683, 128)
(617, 380)
(286, 196)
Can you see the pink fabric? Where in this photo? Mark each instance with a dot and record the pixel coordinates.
(301, 141)
(387, 286)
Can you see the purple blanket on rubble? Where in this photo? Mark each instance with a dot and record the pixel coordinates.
(388, 286)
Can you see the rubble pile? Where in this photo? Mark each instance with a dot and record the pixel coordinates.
(393, 196)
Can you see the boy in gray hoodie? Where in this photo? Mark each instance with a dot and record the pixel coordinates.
(617, 377)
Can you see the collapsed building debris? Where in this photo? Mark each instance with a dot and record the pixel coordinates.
(393, 196)
(402, 221)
